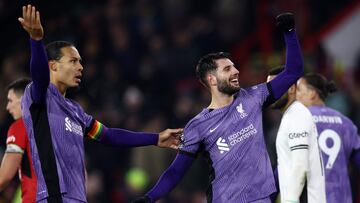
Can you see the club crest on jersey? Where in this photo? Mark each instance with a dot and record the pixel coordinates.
(10, 139)
(73, 127)
(241, 110)
(222, 145)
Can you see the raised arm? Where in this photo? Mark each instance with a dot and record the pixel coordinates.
(294, 62)
(39, 68)
(170, 178)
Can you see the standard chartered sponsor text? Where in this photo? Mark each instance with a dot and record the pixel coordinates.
(242, 134)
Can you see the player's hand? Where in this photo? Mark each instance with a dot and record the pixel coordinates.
(143, 199)
(170, 138)
(285, 21)
(30, 21)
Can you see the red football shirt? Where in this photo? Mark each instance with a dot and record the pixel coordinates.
(17, 136)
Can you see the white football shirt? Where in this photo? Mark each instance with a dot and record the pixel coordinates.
(299, 158)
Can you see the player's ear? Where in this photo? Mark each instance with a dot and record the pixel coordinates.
(211, 79)
(292, 89)
(52, 65)
(313, 94)
(268, 78)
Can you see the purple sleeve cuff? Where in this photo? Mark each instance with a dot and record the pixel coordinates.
(171, 177)
(293, 67)
(39, 70)
(126, 138)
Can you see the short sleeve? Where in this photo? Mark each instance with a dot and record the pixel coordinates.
(258, 92)
(190, 140)
(16, 137)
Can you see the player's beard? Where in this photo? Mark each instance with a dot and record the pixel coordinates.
(224, 86)
(280, 103)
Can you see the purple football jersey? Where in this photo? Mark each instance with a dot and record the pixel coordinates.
(61, 153)
(338, 137)
(232, 137)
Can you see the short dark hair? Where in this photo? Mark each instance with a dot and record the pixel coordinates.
(276, 70)
(18, 86)
(320, 84)
(53, 49)
(207, 63)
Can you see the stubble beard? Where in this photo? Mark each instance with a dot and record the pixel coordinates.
(226, 88)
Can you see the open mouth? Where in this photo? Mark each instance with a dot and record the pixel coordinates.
(234, 81)
(78, 78)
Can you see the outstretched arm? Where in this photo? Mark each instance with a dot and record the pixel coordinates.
(121, 137)
(39, 68)
(294, 62)
(170, 178)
